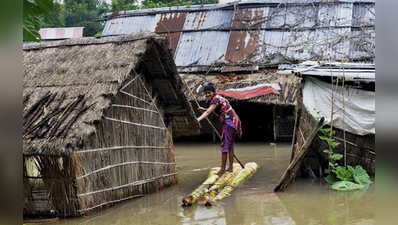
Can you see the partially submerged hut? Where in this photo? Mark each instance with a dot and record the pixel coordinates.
(252, 38)
(344, 95)
(98, 121)
(267, 114)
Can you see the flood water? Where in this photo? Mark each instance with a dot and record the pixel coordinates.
(307, 201)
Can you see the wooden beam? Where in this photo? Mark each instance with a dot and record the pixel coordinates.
(109, 202)
(135, 183)
(48, 220)
(296, 123)
(122, 164)
(294, 165)
(132, 107)
(119, 148)
(133, 96)
(135, 124)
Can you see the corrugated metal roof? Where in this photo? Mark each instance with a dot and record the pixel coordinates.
(272, 42)
(351, 71)
(61, 33)
(230, 5)
(364, 42)
(170, 22)
(301, 16)
(328, 43)
(363, 15)
(260, 33)
(331, 15)
(218, 19)
(251, 18)
(128, 25)
(195, 48)
(242, 46)
(276, 17)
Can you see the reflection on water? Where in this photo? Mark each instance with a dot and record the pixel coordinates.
(304, 202)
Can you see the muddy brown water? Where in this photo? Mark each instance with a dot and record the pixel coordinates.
(307, 201)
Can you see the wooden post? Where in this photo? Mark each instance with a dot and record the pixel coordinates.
(214, 133)
(293, 166)
(274, 121)
(297, 114)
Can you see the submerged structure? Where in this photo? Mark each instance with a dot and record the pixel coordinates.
(98, 120)
(343, 94)
(243, 44)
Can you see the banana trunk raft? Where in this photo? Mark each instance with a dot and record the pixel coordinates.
(217, 187)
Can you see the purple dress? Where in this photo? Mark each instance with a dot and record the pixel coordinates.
(231, 125)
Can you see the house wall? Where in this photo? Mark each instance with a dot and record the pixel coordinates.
(130, 155)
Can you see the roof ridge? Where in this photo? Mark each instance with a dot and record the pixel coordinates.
(92, 41)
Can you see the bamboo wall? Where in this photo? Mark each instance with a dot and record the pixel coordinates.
(130, 155)
(48, 188)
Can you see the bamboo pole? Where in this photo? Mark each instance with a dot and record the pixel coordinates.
(297, 114)
(215, 130)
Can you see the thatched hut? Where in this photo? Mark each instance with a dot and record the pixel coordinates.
(98, 120)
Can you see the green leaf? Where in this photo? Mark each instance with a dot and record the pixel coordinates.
(327, 130)
(324, 138)
(30, 31)
(346, 186)
(334, 144)
(336, 156)
(327, 151)
(331, 178)
(344, 174)
(37, 7)
(32, 9)
(361, 176)
(45, 6)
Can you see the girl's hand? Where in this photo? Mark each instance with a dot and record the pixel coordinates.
(202, 109)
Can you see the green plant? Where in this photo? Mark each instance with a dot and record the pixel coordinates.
(326, 136)
(339, 177)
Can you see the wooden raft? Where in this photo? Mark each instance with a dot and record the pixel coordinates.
(217, 187)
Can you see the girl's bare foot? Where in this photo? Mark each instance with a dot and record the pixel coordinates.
(230, 169)
(221, 171)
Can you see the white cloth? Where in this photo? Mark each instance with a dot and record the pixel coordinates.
(359, 106)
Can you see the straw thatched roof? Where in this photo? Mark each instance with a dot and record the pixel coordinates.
(290, 85)
(77, 79)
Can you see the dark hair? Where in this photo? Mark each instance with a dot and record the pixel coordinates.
(209, 87)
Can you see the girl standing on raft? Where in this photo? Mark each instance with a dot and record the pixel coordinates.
(231, 125)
